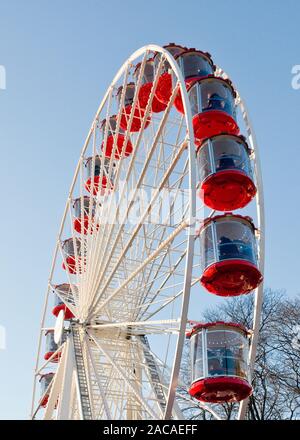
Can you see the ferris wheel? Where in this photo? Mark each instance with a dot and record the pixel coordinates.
(153, 213)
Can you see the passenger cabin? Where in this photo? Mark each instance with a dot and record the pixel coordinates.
(52, 347)
(73, 255)
(45, 383)
(226, 175)
(131, 121)
(85, 212)
(115, 141)
(219, 362)
(194, 65)
(212, 101)
(229, 257)
(146, 86)
(99, 176)
(164, 87)
(60, 305)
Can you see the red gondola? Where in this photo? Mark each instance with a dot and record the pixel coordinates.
(72, 257)
(82, 209)
(194, 64)
(60, 305)
(138, 114)
(51, 347)
(99, 181)
(119, 149)
(226, 177)
(219, 354)
(164, 86)
(45, 381)
(65, 291)
(229, 255)
(212, 102)
(146, 87)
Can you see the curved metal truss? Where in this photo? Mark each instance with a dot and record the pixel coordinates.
(135, 265)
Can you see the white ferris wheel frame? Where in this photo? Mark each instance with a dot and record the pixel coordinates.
(67, 364)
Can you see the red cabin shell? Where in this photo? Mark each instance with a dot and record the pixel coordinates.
(164, 88)
(231, 278)
(200, 325)
(101, 185)
(70, 265)
(68, 314)
(121, 150)
(228, 190)
(226, 178)
(78, 224)
(233, 270)
(60, 305)
(44, 401)
(221, 390)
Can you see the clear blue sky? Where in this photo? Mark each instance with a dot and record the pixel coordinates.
(60, 56)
